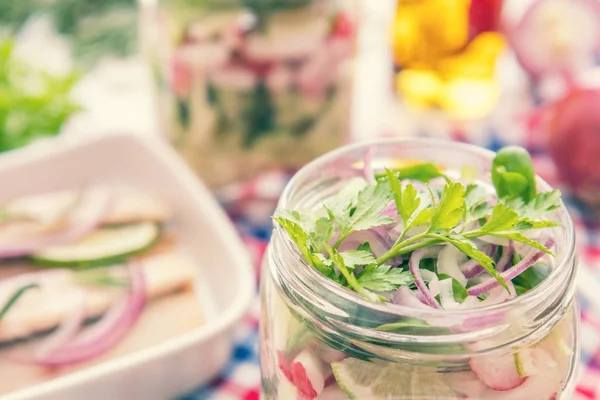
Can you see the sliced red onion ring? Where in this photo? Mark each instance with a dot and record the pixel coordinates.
(471, 268)
(512, 272)
(378, 239)
(67, 329)
(406, 297)
(448, 263)
(432, 280)
(413, 265)
(499, 295)
(84, 219)
(106, 333)
(506, 258)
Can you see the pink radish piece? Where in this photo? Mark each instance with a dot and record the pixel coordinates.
(309, 374)
(543, 386)
(499, 373)
(285, 365)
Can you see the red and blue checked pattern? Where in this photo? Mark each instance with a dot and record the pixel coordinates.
(241, 378)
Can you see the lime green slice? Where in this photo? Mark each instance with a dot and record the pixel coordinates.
(381, 380)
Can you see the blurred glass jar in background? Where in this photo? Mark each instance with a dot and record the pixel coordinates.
(243, 86)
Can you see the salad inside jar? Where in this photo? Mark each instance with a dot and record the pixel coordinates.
(439, 242)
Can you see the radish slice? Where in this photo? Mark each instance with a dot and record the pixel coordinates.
(413, 265)
(499, 373)
(448, 262)
(285, 365)
(309, 374)
(544, 385)
(106, 333)
(83, 219)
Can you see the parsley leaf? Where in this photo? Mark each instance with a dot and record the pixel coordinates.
(538, 206)
(384, 278)
(364, 213)
(468, 248)
(300, 238)
(502, 218)
(354, 258)
(450, 209)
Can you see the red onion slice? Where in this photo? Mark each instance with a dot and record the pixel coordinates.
(413, 265)
(471, 268)
(406, 297)
(512, 272)
(506, 258)
(84, 219)
(68, 328)
(106, 333)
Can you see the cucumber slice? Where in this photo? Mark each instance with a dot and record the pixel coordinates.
(101, 247)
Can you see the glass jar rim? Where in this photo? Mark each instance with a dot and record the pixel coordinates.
(563, 261)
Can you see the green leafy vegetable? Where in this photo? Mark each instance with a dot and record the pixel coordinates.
(424, 172)
(531, 277)
(363, 212)
(30, 111)
(513, 174)
(458, 290)
(462, 214)
(384, 278)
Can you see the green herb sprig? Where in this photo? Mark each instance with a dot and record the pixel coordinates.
(462, 213)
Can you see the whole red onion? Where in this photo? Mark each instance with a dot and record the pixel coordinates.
(574, 141)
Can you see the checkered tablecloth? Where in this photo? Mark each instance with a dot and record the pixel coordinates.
(254, 203)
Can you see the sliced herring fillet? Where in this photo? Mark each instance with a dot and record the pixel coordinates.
(127, 205)
(42, 309)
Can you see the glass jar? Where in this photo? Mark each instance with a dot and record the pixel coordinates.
(309, 323)
(246, 85)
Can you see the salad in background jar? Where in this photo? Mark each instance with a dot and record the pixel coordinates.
(412, 269)
(247, 85)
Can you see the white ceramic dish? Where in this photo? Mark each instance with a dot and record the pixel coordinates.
(226, 276)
